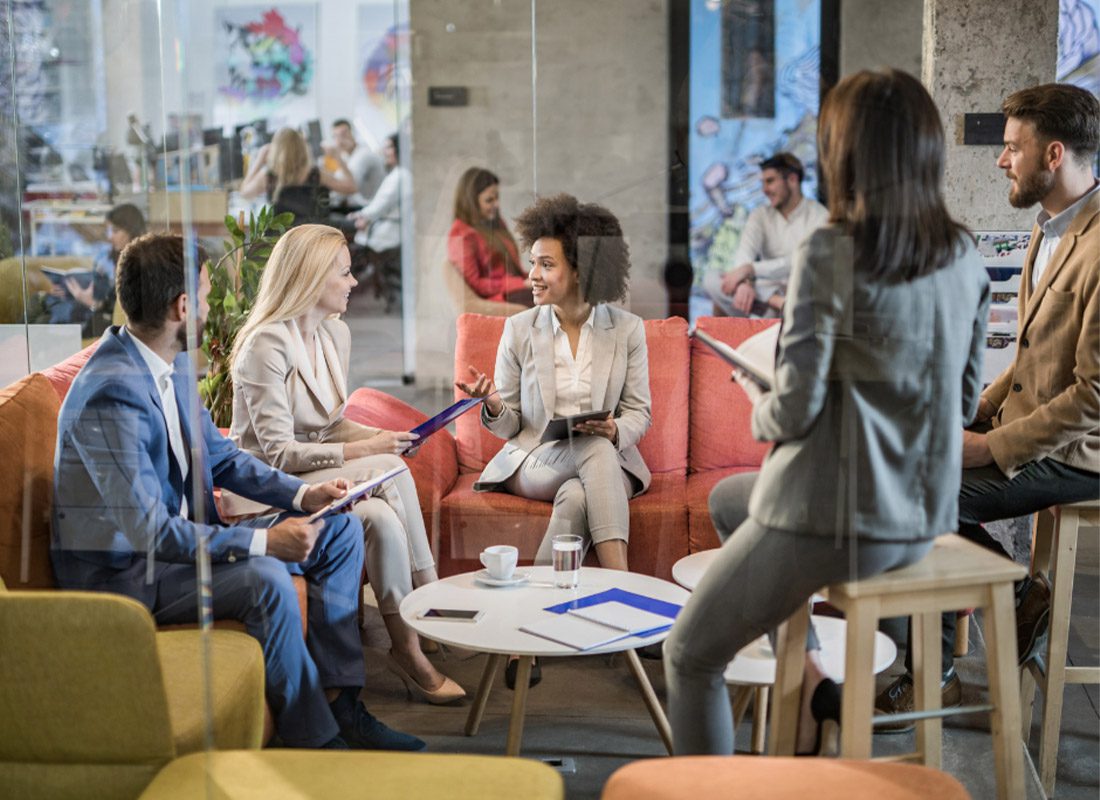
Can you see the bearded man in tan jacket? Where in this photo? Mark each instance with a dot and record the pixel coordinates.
(1038, 439)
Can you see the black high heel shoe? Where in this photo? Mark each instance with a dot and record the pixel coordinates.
(513, 667)
(825, 708)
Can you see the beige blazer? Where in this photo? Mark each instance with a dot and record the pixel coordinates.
(525, 378)
(278, 415)
(1048, 400)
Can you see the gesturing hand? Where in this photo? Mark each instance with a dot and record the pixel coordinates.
(292, 540)
(482, 386)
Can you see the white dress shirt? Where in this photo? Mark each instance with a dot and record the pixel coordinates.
(572, 374)
(1054, 228)
(162, 377)
(769, 239)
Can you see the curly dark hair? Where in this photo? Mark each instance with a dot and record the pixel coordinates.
(591, 239)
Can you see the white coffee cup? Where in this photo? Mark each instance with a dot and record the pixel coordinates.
(500, 560)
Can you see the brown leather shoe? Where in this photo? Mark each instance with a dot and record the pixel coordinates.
(1032, 616)
(897, 698)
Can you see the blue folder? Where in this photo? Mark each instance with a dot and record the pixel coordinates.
(665, 609)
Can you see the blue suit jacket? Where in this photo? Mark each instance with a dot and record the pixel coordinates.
(117, 487)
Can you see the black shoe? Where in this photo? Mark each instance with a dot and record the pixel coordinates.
(361, 730)
(335, 743)
(1032, 617)
(825, 708)
(655, 652)
(513, 667)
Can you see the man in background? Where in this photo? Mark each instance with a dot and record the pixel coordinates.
(757, 283)
(365, 166)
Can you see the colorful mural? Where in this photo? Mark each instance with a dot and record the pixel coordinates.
(383, 101)
(725, 152)
(269, 58)
(1079, 43)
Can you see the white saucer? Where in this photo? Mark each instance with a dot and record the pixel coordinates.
(483, 576)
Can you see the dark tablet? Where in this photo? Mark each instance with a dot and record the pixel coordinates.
(562, 427)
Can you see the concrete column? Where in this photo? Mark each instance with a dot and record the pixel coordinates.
(975, 53)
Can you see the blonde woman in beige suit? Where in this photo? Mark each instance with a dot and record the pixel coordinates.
(289, 368)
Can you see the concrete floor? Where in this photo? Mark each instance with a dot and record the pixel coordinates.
(588, 708)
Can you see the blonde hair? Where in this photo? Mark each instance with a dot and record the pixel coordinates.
(289, 159)
(293, 279)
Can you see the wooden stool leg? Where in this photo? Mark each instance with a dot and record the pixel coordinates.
(759, 719)
(1004, 719)
(790, 661)
(962, 635)
(1042, 537)
(1027, 701)
(858, 698)
(1064, 559)
(927, 673)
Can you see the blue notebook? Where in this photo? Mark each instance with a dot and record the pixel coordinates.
(665, 609)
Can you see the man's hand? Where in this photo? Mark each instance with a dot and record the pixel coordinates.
(986, 410)
(976, 452)
(600, 427)
(319, 495)
(736, 276)
(292, 540)
(743, 297)
(751, 387)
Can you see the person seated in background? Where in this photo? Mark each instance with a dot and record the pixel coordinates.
(364, 166)
(573, 352)
(1037, 441)
(129, 511)
(879, 362)
(479, 244)
(379, 227)
(93, 304)
(757, 283)
(290, 371)
(283, 173)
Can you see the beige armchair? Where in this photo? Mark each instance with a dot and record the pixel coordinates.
(467, 301)
(94, 701)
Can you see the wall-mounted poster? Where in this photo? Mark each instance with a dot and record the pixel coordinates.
(1003, 254)
(266, 65)
(382, 101)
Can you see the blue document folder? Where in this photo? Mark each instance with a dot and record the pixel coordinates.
(665, 609)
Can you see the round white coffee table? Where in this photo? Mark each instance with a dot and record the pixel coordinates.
(498, 631)
(753, 668)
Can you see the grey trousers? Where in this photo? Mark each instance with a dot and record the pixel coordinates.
(396, 543)
(589, 489)
(761, 576)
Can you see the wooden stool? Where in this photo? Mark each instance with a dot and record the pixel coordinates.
(1054, 552)
(750, 778)
(955, 574)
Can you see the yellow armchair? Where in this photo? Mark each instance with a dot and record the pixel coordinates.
(14, 284)
(93, 701)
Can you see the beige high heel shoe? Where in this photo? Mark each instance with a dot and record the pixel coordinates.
(447, 692)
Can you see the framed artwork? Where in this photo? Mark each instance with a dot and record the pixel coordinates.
(1003, 254)
(267, 64)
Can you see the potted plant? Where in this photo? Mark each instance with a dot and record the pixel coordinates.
(234, 281)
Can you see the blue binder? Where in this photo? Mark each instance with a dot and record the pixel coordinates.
(665, 609)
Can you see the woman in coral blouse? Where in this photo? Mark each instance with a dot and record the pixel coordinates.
(480, 245)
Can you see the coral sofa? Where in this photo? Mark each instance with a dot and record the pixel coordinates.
(700, 434)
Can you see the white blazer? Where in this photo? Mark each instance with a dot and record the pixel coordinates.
(525, 379)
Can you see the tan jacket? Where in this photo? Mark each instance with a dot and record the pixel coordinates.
(277, 412)
(525, 377)
(1048, 400)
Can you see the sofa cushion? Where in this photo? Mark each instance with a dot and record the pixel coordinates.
(61, 374)
(701, 532)
(28, 432)
(471, 521)
(664, 448)
(720, 412)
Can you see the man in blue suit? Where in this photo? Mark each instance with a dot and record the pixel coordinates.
(137, 461)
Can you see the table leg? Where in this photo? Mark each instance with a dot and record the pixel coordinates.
(519, 705)
(477, 710)
(652, 704)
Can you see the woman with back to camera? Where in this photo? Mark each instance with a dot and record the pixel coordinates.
(289, 368)
(879, 367)
(573, 352)
(480, 245)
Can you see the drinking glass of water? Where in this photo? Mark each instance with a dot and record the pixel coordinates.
(567, 550)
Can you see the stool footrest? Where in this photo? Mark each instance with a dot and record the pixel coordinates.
(1082, 674)
(915, 716)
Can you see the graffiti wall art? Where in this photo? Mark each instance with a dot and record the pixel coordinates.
(268, 63)
(382, 100)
